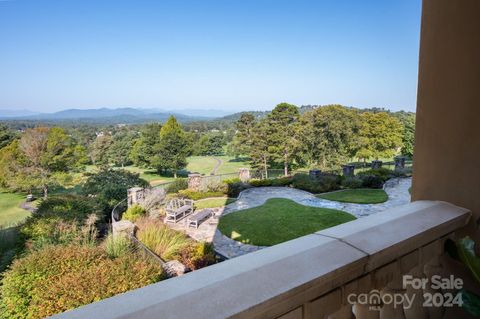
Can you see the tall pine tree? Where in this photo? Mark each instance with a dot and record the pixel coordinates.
(173, 148)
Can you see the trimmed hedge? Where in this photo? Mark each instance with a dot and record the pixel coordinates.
(59, 278)
(325, 183)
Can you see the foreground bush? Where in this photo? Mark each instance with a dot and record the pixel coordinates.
(134, 212)
(170, 244)
(58, 278)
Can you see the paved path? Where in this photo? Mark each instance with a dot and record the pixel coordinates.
(397, 190)
(217, 166)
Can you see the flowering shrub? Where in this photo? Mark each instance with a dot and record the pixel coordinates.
(58, 278)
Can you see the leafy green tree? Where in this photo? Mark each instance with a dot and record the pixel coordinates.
(210, 144)
(380, 135)
(144, 148)
(6, 136)
(101, 150)
(119, 150)
(328, 136)
(281, 127)
(110, 186)
(243, 139)
(408, 138)
(260, 155)
(173, 148)
(40, 159)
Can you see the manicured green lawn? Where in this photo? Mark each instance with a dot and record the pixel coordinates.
(231, 164)
(213, 202)
(10, 212)
(206, 164)
(358, 196)
(279, 220)
(201, 164)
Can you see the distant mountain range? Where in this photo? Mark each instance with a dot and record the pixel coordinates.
(112, 116)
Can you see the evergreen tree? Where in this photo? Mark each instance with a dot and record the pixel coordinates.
(173, 148)
(281, 126)
(144, 148)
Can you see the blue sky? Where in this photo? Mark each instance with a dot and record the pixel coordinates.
(229, 54)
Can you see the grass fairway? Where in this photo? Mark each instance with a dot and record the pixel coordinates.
(357, 196)
(213, 202)
(10, 212)
(279, 220)
(206, 164)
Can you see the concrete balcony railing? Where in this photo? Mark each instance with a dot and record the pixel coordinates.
(316, 276)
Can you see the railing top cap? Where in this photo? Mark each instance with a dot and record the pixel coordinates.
(255, 283)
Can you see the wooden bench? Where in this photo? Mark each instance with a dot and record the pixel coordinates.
(195, 219)
(177, 209)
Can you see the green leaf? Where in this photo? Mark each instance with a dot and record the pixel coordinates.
(466, 252)
(451, 249)
(471, 302)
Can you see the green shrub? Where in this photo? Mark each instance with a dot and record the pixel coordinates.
(177, 185)
(59, 278)
(10, 245)
(232, 180)
(282, 181)
(235, 189)
(134, 212)
(372, 181)
(188, 193)
(117, 246)
(198, 255)
(261, 182)
(352, 182)
(63, 219)
(383, 173)
(403, 172)
(324, 183)
(111, 186)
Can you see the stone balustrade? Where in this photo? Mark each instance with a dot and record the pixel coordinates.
(322, 275)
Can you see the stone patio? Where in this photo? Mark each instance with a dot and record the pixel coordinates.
(397, 190)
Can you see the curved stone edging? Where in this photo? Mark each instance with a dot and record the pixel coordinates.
(396, 189)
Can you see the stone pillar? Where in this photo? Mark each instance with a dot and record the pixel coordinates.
(315, 173)
(135, 195)
(348, 170)
(194, 181)
(399, 163)
(377, 164)
(123, 228)
(244, 174)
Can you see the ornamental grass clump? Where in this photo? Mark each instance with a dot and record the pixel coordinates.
(170, 244)
(117, 246)
(165, 242)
